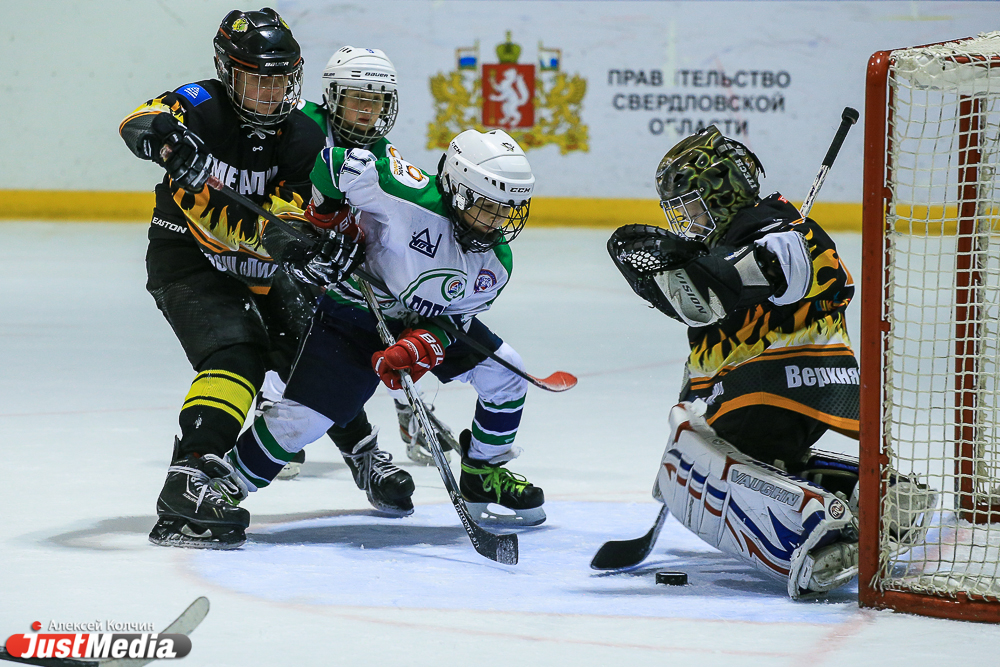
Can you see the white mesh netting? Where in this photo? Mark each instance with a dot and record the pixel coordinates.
(943, 305)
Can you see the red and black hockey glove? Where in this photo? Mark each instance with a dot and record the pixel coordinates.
(335, 215)
(417, 351)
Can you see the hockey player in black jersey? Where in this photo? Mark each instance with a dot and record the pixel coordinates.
(763, 293)
(212, 267)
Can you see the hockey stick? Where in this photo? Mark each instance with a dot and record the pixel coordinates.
(848, 118)
(501, 548)
(619, 554)
(558, 381)
(182, 625)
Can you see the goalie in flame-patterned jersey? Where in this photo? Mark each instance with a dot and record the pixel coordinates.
(212, 266)
(763, 293)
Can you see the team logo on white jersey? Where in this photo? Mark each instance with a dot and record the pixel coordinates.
(421, 242)
(484, 281)
(454, 288)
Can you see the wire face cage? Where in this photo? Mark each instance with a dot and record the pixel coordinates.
(930, 342)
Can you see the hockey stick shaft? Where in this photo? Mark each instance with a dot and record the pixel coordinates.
(848, 118)
(501, 548)
(558, 381)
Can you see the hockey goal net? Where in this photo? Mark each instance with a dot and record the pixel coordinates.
(930, 410)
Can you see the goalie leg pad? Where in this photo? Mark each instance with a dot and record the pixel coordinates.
(782, 525)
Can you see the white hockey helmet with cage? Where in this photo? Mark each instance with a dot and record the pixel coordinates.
(487, 184)
(360, 81)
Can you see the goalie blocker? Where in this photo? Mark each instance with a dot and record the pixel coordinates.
(786, 527)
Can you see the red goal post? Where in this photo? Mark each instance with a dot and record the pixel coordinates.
(930, 407)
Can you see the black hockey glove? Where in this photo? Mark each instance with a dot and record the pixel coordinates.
(182, 153)
(327, 263)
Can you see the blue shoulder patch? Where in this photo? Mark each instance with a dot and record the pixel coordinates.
(195, 93)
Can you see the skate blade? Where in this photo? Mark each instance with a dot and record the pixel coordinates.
(391, 510)
(235, 541)
(290, 471)
(492, 514)
(421, 456)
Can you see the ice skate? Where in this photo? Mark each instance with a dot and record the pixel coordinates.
(829, 567)
(411, 434)
(197, 506)
(495, 495)
(388, 487)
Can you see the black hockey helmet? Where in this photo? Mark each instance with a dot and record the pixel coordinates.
(261, 65)
(703, 181)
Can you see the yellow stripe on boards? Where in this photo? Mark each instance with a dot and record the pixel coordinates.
(71, 205)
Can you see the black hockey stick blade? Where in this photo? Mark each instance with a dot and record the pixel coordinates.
(183, 625)
(499, 547)
(619, 554)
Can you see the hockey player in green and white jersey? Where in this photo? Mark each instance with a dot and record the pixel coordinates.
(440, 244)
(359, 109)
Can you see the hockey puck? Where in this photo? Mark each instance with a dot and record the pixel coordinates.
(672, 578)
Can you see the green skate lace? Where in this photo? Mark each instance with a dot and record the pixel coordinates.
(499, 480)
(221, 486)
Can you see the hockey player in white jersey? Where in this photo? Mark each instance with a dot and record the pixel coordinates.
(359, 109)
(764, 294)
(440, 243)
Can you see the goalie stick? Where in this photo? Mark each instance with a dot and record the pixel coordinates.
(558, 381)
(621, 554)
(182, 625)
(501, 548)
(848, 118)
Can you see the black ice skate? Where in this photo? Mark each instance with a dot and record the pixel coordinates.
(194, 512)
(388, 487)
(411, 434)
(484, 484)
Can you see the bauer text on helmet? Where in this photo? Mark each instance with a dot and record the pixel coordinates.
(260, 64)
(359, 87)
(487, 183)
(703, 181)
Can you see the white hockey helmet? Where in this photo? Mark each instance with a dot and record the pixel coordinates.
(359, 87)
(487, 184)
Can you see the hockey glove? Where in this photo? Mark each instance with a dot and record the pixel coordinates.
(325, 264)
(335, 215)
(182, 153)
(417, 351)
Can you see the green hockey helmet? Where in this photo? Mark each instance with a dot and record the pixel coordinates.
(703, 181)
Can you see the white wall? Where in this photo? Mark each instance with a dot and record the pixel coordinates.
(73, 70)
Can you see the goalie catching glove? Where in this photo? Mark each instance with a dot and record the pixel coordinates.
(685, 280)
(417, 351)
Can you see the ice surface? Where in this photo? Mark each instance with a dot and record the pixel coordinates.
(93, 379)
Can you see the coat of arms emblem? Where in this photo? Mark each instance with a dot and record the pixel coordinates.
(536, 104)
